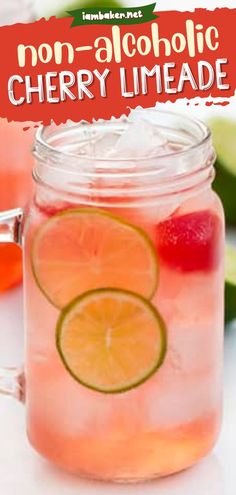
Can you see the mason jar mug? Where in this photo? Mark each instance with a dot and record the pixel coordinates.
(123, 249)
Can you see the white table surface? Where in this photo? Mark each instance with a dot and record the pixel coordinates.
(23, 472)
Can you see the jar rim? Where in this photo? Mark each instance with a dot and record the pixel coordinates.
(47, 148)
(135, 177)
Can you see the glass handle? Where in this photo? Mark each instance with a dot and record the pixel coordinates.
(11, 226)
(11, 379)
(12, 383)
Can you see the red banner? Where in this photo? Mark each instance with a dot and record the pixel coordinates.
(51, 71)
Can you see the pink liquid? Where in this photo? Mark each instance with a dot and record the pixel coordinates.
(169, 422)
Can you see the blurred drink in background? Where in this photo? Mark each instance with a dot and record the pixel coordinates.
(15, 151)
(15, 158)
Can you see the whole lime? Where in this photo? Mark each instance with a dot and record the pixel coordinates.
(230, 284)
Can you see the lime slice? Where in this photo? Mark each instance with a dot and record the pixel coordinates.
(86, 249)
(230, 284)
(224, 139)
(111, 340)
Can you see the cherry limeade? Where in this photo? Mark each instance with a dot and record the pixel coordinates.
(124, 312)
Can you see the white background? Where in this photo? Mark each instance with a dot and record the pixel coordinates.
(48, 6)
(22, 472)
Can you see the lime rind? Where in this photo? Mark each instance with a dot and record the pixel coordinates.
(230, 259)
(93, 211)
(230, 284)
(161, 331)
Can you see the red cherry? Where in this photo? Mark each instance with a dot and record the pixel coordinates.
(190, 242)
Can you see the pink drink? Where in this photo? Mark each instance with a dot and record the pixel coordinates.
(15, 160)
(172, 419)
(16, 165)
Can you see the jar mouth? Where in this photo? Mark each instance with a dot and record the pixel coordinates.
(183, 160)
(187, 134)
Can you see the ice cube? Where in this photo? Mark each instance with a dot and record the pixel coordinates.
(140, 139)
(158, 212)
(103, 144)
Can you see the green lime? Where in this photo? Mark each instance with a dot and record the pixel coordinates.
(111, 340)
(224, 140)
(230, 284)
